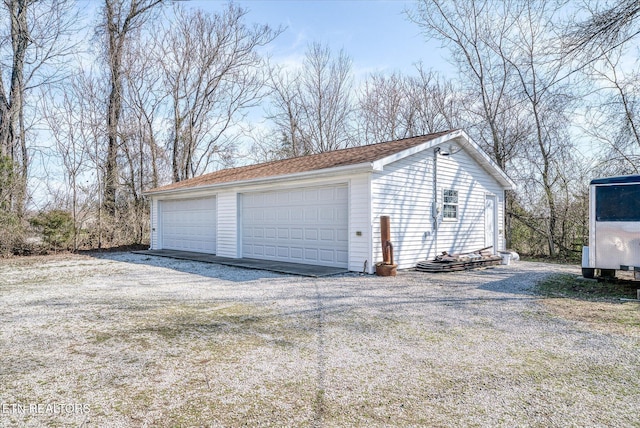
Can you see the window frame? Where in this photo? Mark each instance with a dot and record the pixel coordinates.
(617, 203)
(446, 202)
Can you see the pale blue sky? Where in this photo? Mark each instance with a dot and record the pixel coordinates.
(376, 34)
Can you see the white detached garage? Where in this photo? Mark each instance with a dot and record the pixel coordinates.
(302, 225)
(188, 224)
(440, 190)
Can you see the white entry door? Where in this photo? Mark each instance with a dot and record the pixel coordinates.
(306, 225)
(490, 220)
(189, 224)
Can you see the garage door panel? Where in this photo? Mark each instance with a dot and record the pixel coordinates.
(258, 216)
(189, 224)
(327, 255)
(311, 234)
(311, 195)
(283, 252)
(327, 235)
(304, 225)
(310, 215)
(296, 196)
(327, 195)
(283, 233)
(283, 214)
(283, 198)
(297, 215)
(326, 214)
(297, 234)
(297, 253)
(311, 254)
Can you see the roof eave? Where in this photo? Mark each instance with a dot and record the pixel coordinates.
(489, 164)
(380, 163)
(462, 138)
(360, 167)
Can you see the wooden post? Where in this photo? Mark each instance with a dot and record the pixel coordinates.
(385, 236)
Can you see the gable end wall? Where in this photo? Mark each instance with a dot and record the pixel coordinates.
(404, 191)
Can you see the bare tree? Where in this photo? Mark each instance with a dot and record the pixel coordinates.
(475, 31)
(90, 97)
(32, 54)
(397, 106)
(381, 105)
(433, 103)
(547, 98)
(286, 139)
(145, 101)
(466, 27)
(613, 113)
(213, 73)
(11, 105)
(120, 19)
(325, 99)
(606, 29)
(62, 113)
(143, 161)
(312, 108)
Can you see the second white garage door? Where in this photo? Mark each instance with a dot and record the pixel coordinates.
(189, 225)
(307, 225)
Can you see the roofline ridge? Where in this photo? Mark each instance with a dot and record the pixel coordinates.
(261, 165)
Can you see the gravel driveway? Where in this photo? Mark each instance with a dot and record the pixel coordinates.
(131, 340)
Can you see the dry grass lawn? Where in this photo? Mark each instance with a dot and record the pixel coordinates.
(126, 340)
(602, 305)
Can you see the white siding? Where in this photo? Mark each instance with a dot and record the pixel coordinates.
(403, 191)
(460, 172)
(227, 224)
(153, 244)
(360, 223)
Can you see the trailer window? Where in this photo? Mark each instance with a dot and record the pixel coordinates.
(618, 203)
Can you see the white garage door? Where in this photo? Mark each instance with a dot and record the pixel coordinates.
(307, 225)
(189, 225)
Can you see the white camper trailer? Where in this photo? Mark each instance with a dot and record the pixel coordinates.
(614, 227)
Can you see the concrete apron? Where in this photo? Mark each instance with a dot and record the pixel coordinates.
(268, 265)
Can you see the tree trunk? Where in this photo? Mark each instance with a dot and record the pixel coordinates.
(12, 135)
(118, 26)
(114, 108)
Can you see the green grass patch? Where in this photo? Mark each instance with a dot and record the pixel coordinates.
(566, 285)
(595, 303)
(101, 337)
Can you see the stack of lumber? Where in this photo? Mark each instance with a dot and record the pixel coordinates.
(457, 262)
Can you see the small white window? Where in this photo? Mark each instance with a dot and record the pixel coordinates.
(450, 204)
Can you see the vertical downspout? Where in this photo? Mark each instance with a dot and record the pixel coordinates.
(151, 226)
(434, 208)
